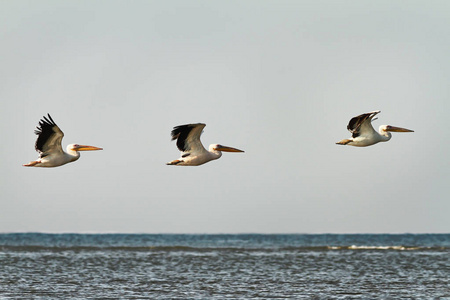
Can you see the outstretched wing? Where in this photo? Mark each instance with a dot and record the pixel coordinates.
(49, 137)
(362, 124)
(188, 137)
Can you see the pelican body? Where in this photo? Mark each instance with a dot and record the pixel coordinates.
(48, 145)
(363, 133)
(192, 151)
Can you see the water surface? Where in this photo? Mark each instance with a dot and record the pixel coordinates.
(247, 266)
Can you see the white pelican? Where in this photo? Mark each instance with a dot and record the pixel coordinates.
(48, 145)
(363, 133)
(192, 151)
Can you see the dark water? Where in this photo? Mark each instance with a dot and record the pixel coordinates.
(80, 266)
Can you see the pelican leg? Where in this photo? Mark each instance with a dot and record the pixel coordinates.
(344, 142)
(31, 163)
(174, 162)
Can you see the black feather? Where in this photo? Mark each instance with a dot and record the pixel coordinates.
(355, 123)
(180, 133)
(44, 131)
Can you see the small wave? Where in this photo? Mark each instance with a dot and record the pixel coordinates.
(398, 248)
(33, 248)
(353, 247)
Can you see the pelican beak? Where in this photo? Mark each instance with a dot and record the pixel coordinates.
(86, 148)
(227, 149)
(397, 129)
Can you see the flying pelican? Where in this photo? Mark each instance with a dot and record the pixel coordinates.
(192, 151)
(48, 145)
(363, 133)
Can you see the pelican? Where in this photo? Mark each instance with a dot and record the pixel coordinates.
(363, 133)
(48, 145)
(192, 151)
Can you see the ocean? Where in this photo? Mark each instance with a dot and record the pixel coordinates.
(224, 266)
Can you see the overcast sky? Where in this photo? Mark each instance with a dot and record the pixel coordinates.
(278, 79)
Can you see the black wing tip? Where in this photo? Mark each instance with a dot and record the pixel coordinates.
(49, 119)
(356, 122)
(369, 114)
(181, 132)
(177, 130)
(44, 122)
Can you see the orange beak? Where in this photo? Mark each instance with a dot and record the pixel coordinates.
(86, 148)
(397, 129)
(227, 149)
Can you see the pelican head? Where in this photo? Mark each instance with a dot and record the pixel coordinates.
(76, 147)
(217, 147)
(385, 131)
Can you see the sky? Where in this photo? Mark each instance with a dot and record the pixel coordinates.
(278, 79)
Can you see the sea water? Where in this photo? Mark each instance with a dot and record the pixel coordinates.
(242, 266)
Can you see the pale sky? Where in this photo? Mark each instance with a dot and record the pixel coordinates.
(278, 79)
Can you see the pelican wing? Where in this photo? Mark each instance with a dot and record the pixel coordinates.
(49, 137)
(362, 124)
(188, 137)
